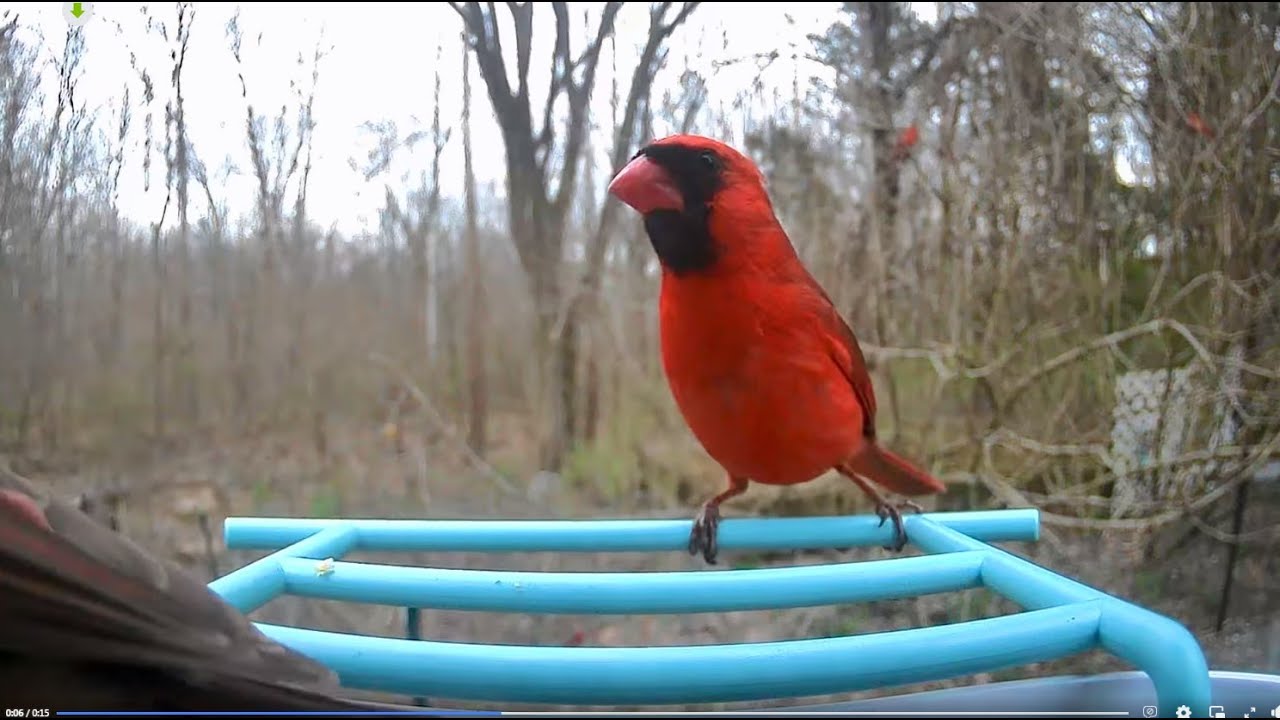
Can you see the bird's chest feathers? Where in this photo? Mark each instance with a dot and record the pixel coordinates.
(711, 336)
(728, 348)
(754, 381)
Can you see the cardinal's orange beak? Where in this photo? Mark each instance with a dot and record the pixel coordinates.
(646, 186)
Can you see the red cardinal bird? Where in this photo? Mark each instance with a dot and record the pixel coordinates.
(765, 371)
(1198, 125)
(907, 139)
(92, 622)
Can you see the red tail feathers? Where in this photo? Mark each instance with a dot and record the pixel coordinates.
(893, 473)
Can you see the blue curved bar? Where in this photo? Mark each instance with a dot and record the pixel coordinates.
(1027, 584)
(1164, 649)
(795, 533)
(1060, 616)
(697, 673)
(259, 582)
(635, 593)
(1167, 651)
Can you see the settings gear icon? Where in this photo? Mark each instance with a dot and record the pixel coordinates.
(1184, 711)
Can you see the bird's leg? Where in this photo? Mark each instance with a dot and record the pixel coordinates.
(705, 523)
(884, 509)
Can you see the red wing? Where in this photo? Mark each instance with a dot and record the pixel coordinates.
(846, 352)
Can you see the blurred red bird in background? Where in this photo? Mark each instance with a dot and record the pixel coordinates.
(763, 368)
(907, 139)
(1198, 125)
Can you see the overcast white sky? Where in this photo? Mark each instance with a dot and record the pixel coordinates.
(380, 68)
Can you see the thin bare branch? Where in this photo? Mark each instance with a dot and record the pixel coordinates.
(498, 479)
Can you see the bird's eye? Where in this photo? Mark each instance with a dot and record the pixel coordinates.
(709, 159)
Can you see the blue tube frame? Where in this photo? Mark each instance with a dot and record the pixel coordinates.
(1059, 617)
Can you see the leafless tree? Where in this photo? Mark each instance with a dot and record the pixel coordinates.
(538, 195)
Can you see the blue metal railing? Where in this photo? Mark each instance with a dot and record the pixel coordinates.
(1060, 617)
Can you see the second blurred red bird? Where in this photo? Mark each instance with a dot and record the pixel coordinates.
(763, 368)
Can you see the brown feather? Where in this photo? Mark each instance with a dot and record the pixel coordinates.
(94, 622)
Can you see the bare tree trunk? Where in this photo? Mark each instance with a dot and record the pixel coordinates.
(876, 18)
(477, 381)
(159, 331)
(187, 379)
(324, 381)
(298, 355)
(302, 250)
(52, 176)
(56, 368)
(15, 100)
(113, 338)
(426, 294)
(69, 165)
(536, 213)
(116, 249)
(276, 158)
(582, 305)
(591, 406)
